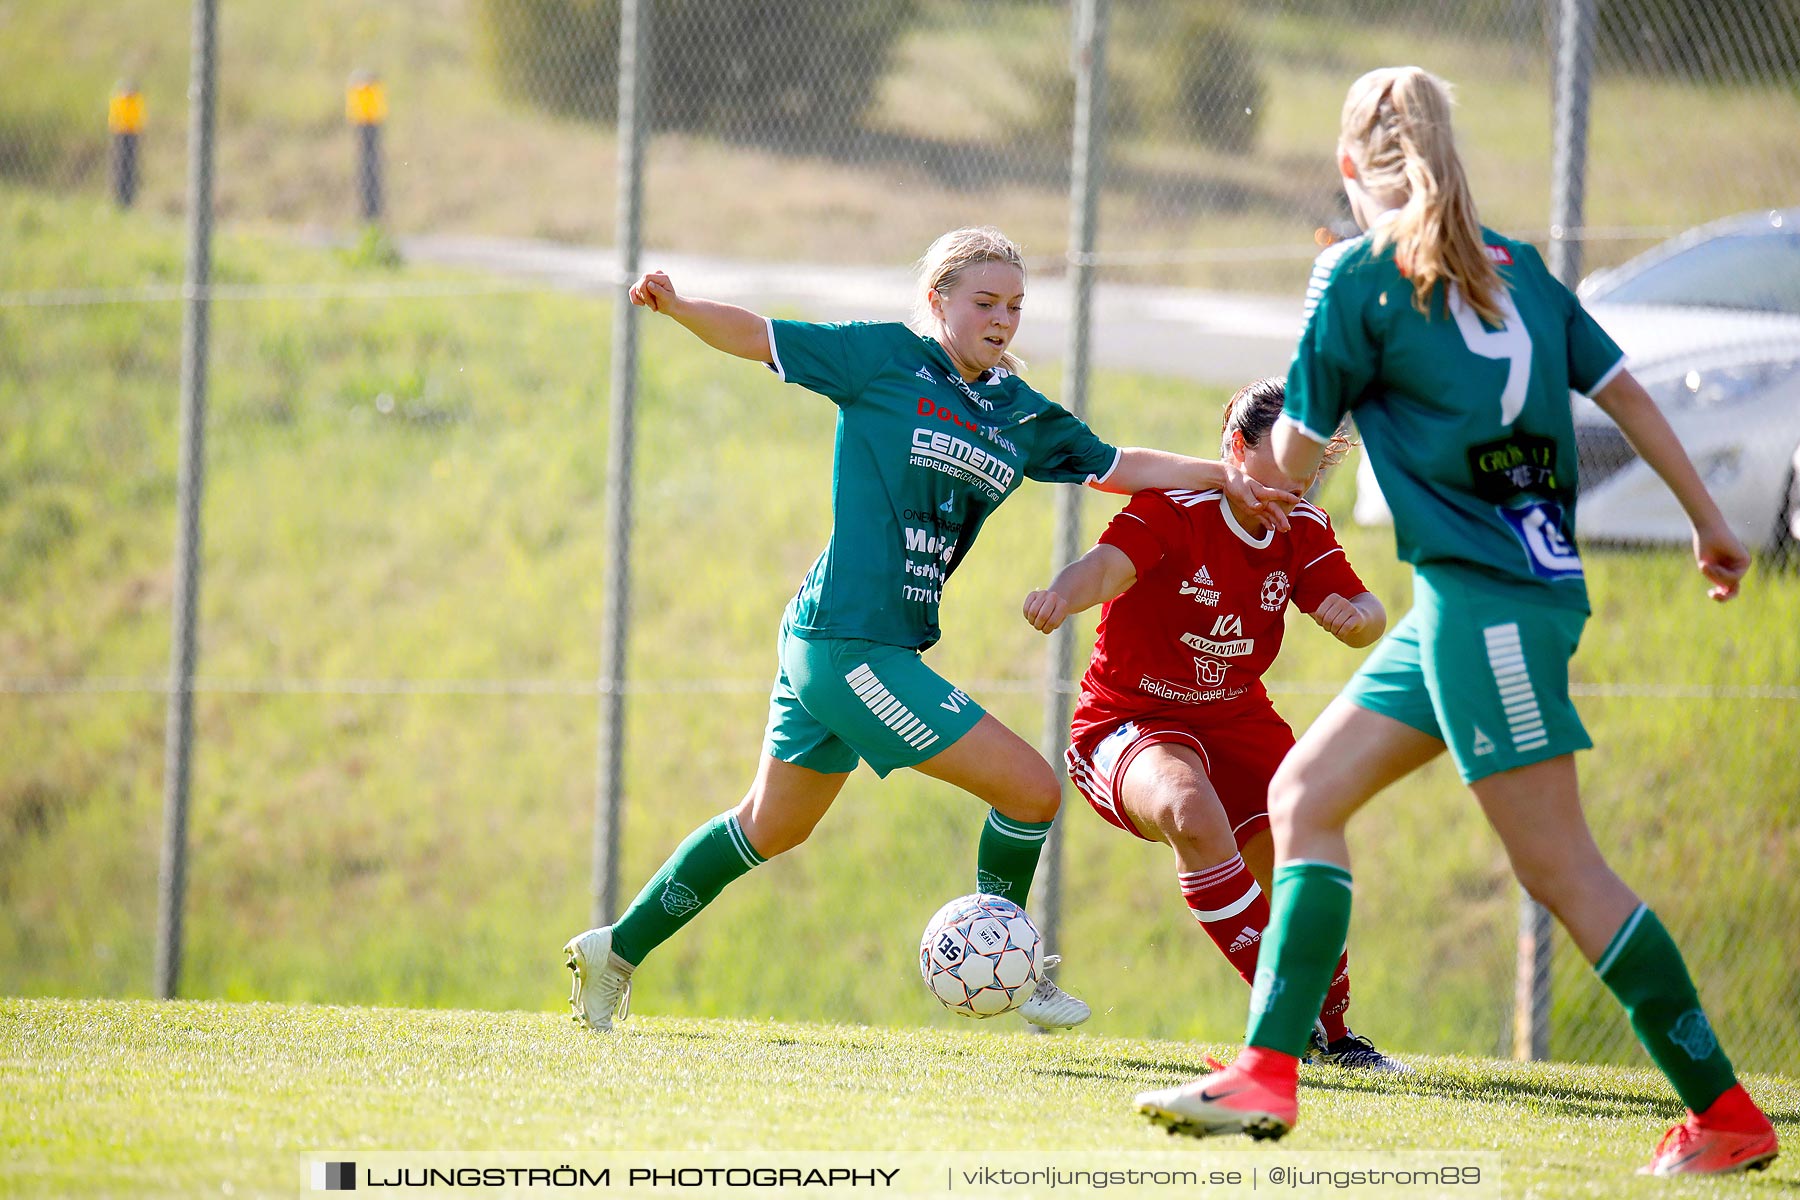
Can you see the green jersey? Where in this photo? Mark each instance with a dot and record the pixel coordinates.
(922, 457)
(1466, 425)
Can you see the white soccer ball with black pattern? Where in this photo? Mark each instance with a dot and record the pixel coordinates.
(981, 955)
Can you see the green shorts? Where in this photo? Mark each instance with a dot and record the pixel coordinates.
(1483, 669)
(838, 701)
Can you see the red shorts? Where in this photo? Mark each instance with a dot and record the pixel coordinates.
(1240, 752)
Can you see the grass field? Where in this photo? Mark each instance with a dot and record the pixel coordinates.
(408, 490)
(190, 1099)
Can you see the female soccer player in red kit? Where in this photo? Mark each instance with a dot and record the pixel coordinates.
(1174, 739)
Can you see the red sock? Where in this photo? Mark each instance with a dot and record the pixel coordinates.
(1231, 908)
(1734, 1111)
(1337, 1002)
(1270, 1067)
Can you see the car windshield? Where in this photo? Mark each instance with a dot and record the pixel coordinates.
(1756, 272)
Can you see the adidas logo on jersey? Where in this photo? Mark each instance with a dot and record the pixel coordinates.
(1249, 937)
(1202, 576)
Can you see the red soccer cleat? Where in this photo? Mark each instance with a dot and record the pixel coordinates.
(1256, 1095)
(1731, 1135)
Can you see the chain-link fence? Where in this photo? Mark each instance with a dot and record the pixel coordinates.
(403, 535)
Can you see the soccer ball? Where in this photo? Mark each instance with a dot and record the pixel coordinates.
(981, 955)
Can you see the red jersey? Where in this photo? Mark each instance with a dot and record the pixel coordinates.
(1205, 618)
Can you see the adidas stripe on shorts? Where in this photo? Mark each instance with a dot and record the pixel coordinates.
(838, 701)
(1482, 667)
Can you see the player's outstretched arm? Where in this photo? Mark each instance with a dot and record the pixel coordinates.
(1356, 621)
(722, 326)
(1719, 554)
(1102, 574)
(1139, 468)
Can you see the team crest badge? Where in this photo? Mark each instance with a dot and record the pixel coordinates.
(1274, 591)
(1693, 1033)
(678, 899)
(1268, 989)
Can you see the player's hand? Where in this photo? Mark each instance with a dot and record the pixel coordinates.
(1271, 504)
(1340, 618)
(654, 291)
(1722, 559)
(1046, 610)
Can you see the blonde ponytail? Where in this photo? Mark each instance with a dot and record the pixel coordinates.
(944, 262)
(1396, 127)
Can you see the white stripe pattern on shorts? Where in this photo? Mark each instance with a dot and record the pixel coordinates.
(1506, 658)
(889, 710)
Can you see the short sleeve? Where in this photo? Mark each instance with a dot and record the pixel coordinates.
(1144, 529)
(1324, 568)
(1335, 359)
(835, 360)
(1594, 358)
(1065, 450)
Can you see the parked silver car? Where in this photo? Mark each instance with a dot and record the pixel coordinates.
(1710, 322)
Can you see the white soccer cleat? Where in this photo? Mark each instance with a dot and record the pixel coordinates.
(1050, 1006)
(602, 980)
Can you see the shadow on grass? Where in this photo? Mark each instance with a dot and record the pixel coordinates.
(1570, 1099)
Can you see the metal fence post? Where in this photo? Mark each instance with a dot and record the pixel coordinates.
(615, 620)
(179, 725)
(1574, 67)
(1084, 180)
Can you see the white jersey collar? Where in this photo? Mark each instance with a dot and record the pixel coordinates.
(1268, 533)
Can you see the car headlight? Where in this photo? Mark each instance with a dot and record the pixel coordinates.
(1706, 388)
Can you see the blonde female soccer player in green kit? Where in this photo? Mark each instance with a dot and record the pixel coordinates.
(935, 429)
(1456, 350)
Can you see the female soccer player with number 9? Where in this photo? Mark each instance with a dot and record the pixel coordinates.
(1455, 350)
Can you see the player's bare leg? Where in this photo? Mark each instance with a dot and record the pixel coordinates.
(1536, 810)
(1003, 769)
(1342, 760)
(783, 805)
(996, 765)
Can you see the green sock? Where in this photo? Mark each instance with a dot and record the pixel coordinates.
(1309, 922)
(713, 856)
(1008, 856)
(1644, 970)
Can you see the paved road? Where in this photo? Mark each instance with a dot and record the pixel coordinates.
(1211, 337)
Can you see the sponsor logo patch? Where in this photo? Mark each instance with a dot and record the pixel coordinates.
(1201, 595)
(950, 455)
(1233, 649)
